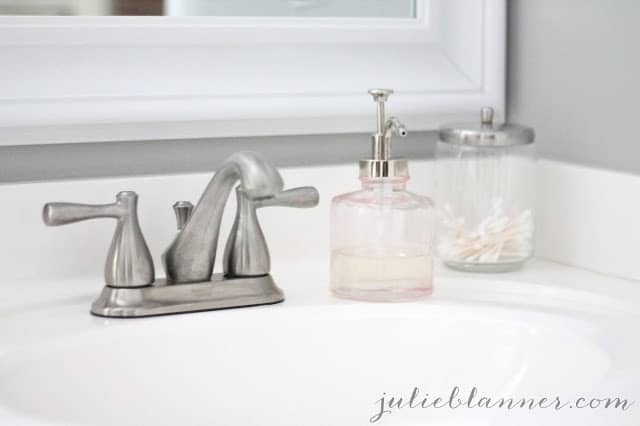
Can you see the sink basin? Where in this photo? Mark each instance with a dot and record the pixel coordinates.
(326, 362)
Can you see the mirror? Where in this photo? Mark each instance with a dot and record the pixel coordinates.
(78, 74)
(253, 8)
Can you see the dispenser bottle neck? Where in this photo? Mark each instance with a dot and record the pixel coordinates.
(385, 183)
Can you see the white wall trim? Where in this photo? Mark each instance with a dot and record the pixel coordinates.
(84, 79)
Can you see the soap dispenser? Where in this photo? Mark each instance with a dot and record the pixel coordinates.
(382, 234)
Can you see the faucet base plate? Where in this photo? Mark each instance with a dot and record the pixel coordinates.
(162, 298)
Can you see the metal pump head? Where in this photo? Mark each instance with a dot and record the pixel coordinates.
(381, 164)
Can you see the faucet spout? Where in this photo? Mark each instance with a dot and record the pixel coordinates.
(191, 256)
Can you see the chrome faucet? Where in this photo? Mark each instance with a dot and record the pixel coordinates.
(190, 285)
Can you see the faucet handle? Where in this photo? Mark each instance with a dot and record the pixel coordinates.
(246, 253)
(302, 197)
(129, 263)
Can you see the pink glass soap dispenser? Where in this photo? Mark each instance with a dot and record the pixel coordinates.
(381, 235)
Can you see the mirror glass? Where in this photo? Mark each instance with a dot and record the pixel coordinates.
(254, 8)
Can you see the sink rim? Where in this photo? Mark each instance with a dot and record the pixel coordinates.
(207, 322)
(542, 291)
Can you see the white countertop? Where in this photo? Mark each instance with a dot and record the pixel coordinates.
(307, 283)
(51, 276)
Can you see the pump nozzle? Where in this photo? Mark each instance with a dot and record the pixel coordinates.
(393, 125)
(381, 164)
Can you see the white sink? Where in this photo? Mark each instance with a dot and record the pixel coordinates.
(319, 361)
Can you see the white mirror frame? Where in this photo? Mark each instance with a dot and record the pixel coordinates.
(89, 79)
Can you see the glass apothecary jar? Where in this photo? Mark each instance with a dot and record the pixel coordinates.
(485, 195)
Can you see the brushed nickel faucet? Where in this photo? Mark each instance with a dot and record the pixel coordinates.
(131, 289)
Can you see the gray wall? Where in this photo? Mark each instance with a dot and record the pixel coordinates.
(574, 74)
(75, 161)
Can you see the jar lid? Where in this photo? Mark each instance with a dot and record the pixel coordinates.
(486, 133)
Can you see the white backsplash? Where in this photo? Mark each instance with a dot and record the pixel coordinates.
(586, 218)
